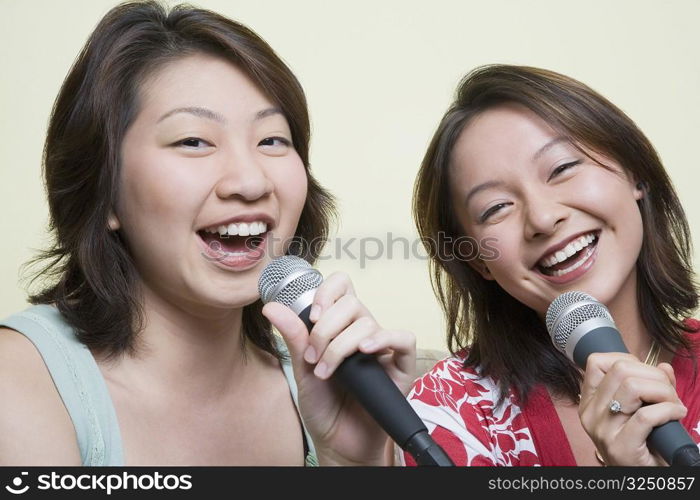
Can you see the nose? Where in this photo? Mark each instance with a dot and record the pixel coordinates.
(243, 176)
(543, 216)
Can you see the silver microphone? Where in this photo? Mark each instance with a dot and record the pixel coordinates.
(291, 281)
(579, 326)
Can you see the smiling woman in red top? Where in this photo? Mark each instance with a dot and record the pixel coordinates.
(563, 192)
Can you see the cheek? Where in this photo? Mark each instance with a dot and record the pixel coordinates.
(291, 187)
(605, 194)
(507, 259)
(630, 228)
(499, 244)
(156, 197)
(611, 200)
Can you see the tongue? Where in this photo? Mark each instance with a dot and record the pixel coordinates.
(228, 243)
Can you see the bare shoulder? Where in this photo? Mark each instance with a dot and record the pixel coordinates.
(35, 428)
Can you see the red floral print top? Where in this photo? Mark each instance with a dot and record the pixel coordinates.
(458, 406)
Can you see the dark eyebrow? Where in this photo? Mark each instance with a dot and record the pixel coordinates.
(481, 187)
(211, 115)
(549, 145)
(196, 111)
(268, 112)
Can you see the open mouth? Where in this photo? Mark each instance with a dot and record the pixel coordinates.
(569, 258)
(239, 238)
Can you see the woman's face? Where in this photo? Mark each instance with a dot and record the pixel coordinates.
(558, 220)
(208, 153)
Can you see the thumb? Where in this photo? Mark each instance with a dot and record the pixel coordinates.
(292, 329)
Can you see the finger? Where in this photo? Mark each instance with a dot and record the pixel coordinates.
(333, 288)
(292, 329)
(634, 392)
(638, 427)
(401, 344)
(597, 365)
(616, 371)
(668, 370)
(333, 321)
(343, 345)
(629, 383)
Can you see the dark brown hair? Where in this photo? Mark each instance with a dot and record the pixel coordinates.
(94, 282)
(506, 338)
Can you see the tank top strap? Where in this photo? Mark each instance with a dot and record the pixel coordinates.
(310, 459)
(78, 380)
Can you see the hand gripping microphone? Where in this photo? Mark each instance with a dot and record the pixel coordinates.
(579, 326)
(291, 281)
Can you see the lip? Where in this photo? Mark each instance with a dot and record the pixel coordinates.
(251, 217)
(235, 262)
(576, 273)
(558, 246)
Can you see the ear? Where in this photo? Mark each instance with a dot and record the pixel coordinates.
(112, 221)
(480, 267)
(639, 190)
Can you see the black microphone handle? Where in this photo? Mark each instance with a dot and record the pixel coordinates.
(363, 376)
(670, 440)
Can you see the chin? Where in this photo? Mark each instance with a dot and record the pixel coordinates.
(237, 303)
(613, 289)
(221, 300)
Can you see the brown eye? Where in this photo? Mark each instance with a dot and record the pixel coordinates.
(193, 142)
(492, 210)
(275, 141)
(562, 168)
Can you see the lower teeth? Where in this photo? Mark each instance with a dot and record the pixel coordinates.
(250, 243)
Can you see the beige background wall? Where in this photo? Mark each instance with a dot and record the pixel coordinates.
(378, 75)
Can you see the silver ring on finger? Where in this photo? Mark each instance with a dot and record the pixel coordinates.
(615, 407)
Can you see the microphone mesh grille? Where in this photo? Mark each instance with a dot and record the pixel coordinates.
(568, 311)
(561, 303)
(293, 290)
(278, 270)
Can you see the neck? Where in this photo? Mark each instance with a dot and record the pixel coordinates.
(186, 351)
(625, 311)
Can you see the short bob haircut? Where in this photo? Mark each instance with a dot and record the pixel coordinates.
(93, 281)
(506, 338)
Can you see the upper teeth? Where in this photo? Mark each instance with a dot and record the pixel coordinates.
(568, 250)
(239, 229)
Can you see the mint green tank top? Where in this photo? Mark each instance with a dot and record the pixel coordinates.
(83, 389)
